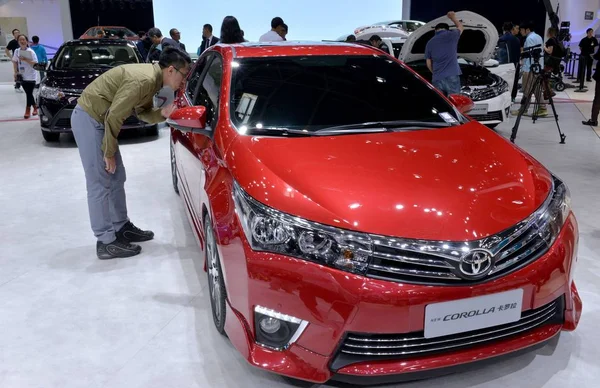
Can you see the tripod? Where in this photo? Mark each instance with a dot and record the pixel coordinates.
(539, 86)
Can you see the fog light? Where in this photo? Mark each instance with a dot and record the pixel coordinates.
(45, 119)
(275, 330)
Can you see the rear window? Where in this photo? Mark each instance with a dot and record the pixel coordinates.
(313, 92)
(91, 56)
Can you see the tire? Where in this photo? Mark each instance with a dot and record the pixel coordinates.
(174, 177)
(560, 86)
(216, 285)
(50, 137)
(152, 131)
(491, 126)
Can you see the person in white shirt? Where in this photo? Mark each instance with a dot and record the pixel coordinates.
(24, 58)
(277, 30)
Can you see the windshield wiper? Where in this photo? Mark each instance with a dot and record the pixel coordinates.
(381, 126)
(278, 130)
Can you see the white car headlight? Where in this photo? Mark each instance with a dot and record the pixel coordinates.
(269, 230)
(51, 93)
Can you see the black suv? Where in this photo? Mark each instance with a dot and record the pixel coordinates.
(76, 64)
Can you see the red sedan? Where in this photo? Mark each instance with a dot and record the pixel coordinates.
(356, 224)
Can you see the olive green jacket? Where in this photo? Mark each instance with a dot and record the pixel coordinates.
(117, 94)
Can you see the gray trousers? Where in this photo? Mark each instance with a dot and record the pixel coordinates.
(105, 192)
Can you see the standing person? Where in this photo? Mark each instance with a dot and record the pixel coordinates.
(274, 35)
(10, 50)
(587, 46)
(510, 45)
(24, 60)
(231, 32)
(531, 40)
(96, 123)
(159, 44)
(141, 44)
(284, 31)
(208, 39)
(176, 36)
(42, 57)
(441, 53)
(593, 121)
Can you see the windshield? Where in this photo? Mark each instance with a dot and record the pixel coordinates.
(310, 93)
(95, 56)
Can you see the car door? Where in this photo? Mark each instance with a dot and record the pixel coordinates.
(196, 153)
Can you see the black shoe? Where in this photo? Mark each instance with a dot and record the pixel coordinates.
(131, 233)
(590, 123)
(116, 249)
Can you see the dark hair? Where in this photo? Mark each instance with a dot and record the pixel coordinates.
(26, 38)
(35, 39)
(276, 22)
(351, 38)
(172, 56)
(16, 29)
(141, 33)
(121, 34)
(442, 26)
(154, 32)
(507, 26)
(374, 38)
(553, 31)
(285, 27)
(588, 30)
(171, 31)
(208, 27)
(231, 31)
(527, 25)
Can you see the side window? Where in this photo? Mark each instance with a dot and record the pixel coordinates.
(209, 90)
(192, 84)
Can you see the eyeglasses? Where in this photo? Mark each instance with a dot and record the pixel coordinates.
(177, 70)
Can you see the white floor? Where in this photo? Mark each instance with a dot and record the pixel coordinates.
(70, 320)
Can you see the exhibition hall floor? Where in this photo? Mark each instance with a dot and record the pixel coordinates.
(70, 320)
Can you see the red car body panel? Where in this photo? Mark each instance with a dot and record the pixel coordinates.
(459, 184)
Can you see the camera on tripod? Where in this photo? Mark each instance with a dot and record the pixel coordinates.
(535, 54)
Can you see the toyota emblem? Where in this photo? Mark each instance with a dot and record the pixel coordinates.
(475, 264)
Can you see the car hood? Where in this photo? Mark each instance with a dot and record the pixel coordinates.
(460, 184)
(477, 43)
(72, 79)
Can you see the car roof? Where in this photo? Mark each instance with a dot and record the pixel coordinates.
(97, 42)
(295, 48)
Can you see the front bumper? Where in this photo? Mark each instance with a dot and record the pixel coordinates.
(492, 111)
(55, 116)
(336, 303)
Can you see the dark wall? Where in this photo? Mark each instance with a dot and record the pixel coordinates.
(496, 12)
(134, 14)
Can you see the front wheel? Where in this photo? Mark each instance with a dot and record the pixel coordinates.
(560, 87)
(50, 137)
(216, 285)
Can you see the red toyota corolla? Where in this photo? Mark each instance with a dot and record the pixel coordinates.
(356, 224)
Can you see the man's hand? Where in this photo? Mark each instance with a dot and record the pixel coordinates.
(452, 15)
(168, 110)
(111, 164)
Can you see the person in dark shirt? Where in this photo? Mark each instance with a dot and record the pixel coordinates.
(588, 47)
(510, 46)
(10, 50)
(554, 51)
(593, 121)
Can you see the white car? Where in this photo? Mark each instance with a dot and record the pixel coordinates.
(488, 84)
(409, 26)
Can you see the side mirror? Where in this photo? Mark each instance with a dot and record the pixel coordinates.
(462, 102)
(189, 119)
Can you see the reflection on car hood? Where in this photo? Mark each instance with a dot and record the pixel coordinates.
(460, 183)
(72, 79)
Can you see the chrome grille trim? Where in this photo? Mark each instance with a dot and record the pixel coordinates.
(364, 347)
(437, 262)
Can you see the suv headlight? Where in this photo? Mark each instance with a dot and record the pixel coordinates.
(489, 92)
(555, 215)
(51, 93)
(269, 230)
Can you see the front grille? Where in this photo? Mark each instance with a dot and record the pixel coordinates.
(491, 116)
(361, 347)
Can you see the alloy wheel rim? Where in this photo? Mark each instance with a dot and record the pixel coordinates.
(213, 273)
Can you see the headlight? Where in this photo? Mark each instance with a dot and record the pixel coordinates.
(489, 92)
(51, 93)
(269, 230)
(554, 217)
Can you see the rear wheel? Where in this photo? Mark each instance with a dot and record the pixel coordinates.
(560, 86)
(216, 285)
(50, 137)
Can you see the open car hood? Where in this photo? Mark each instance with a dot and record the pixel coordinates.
(477, 42)
(366, 32)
